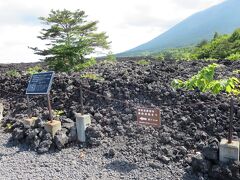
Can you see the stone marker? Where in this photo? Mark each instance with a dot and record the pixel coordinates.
(52, 127)
(1, 111)
(30, 121)
(228, 151)
(82, 122)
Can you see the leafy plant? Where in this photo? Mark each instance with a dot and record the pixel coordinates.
(92, 76)
(81, 66)
(9, 126)
(236, 71)
(234, 57)
(58, 113)
(13, 73)
(204, 81)
(143, 62)
(34, 70)
(110, 57)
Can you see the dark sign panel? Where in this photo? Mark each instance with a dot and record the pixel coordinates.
(148, 116)
(40, 83)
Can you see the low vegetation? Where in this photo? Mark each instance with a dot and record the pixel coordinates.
(34, 70)
(13, 73)
(81, 66)
(220, 47)
(205, 82)
(92, 76)
(143, 62)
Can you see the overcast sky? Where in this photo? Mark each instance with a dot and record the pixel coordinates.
(128, 23)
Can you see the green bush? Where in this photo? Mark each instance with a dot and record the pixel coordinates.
(34, 70)
(143, 62)
(13, 73)
(92, 76)
(91, 62)
(205, 82)
(234, 57)
(111, 57)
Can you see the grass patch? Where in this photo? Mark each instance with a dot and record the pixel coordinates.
(91, 62)
(13, 73)
(143, 62)
(34, 70)
(92, 76)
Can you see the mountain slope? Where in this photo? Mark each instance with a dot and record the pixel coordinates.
(223, 18)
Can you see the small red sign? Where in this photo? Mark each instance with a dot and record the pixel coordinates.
(148, 116)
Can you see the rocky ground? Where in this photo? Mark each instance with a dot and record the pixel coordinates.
(18, 162)
(187, 141)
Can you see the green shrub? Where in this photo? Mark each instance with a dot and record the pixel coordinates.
(91, 62)
(92, 76)
(34, 70)
(111, 57)
(234, 57)
(13, 73)
(205, 83)
(143, 62)
(236, 71)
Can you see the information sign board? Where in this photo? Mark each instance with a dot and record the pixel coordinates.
(40, 83)
(148, 116)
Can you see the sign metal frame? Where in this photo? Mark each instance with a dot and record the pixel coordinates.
(41, 93)
(49, 84)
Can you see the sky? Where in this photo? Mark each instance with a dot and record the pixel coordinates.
(128, 23)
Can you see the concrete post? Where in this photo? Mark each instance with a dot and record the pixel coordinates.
(82, 122)
(228, 151)
(1, 111)
(30, 121)
(52, 127)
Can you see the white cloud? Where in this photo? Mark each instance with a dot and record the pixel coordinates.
(128, 23)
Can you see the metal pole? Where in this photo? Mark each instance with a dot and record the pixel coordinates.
(29, 107)
(230, 123)
(49, 108)
(81, 99)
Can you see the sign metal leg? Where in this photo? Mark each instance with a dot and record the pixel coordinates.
(231, 121)
(81, 99)
(49, 108)
(29, 107)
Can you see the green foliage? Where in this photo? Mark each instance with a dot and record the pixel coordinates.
(58, 113)
(111, 57)
(176, 54)
(234, 57)
(205, 82)
(88, 63)
(70, 39)
(92, 76)
(34, 70)
(221, 47)
(202, 43)
(236, 71)
(8, 127)
(13, 73)
(143, 62)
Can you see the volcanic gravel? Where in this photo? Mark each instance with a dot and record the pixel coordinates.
(18, 162)
(117, 147)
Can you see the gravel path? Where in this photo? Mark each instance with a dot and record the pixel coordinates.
(17, 162)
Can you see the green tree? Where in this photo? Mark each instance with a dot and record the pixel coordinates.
(202, 43)
(216, 35)
(70, 37)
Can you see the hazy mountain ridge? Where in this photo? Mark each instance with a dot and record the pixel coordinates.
(223, 18)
